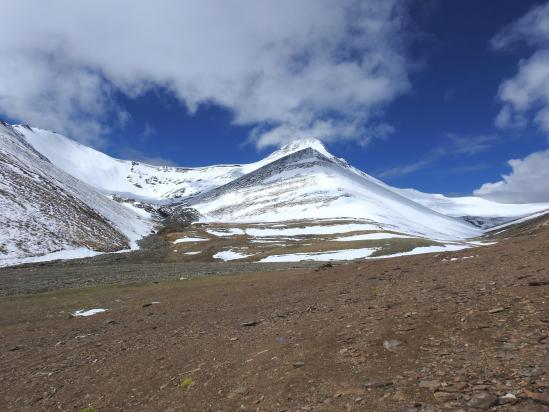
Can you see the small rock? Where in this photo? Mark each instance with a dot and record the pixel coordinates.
(433, 384)
(483, 400)
(445, 396)
(508, 398)
(250, 323)
(460, 386)
(324, 267)
(349, 392)
(392, 344)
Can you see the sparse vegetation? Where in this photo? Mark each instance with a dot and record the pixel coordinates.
(185, 384)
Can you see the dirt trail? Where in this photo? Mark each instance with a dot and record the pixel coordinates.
(464, 331)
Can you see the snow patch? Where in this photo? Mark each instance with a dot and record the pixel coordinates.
(89, 312)
(371, 236)
(230, 255)
(348, 254)
(310, 230)
(189, 239)
(429, 249)
(67, 254)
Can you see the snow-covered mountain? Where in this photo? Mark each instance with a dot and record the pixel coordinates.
(139, 180)
(58, 194)
(45, 210)
(309, 183)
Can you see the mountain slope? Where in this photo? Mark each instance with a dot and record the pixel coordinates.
(45, 210)
(139, 180)
(472, 205)
(299, 184)
(308, 184)
(159, 184)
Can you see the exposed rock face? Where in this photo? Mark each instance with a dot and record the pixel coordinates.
(176, 219)
(45, 210)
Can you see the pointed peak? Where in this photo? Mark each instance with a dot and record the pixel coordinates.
(301, 144)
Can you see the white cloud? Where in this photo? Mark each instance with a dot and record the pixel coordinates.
(310, 67)
(531, 28)
(527, 183)
(525, 97)
(527, 93)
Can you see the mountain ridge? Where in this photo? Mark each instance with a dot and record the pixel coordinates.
(301, 180)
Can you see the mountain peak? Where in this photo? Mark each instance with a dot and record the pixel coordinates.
(300, 144)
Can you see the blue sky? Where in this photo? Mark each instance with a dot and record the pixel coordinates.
(424, 116)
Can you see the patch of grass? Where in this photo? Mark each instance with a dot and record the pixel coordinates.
(185, 384)
(88, 409)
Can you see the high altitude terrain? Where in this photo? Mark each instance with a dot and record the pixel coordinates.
(454, 331)
(61, 199)
(464, 328)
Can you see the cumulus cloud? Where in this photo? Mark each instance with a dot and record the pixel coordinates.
(525, 96)
(323, 68)
(527, 183)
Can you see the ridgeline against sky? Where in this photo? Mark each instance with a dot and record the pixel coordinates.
(433, 95)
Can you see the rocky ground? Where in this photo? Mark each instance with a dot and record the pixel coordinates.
(461, 331)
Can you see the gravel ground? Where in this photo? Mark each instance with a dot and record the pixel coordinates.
(46, 277)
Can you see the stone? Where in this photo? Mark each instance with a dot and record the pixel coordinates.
(445, 396)
(392, 344)
(250, 323)
(483, 400)
(431, 384)
(378, 384)
(508, 398)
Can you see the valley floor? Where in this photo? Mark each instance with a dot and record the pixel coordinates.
(465, 330)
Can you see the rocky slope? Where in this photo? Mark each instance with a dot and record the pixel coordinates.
(45, 210)
(459, 331)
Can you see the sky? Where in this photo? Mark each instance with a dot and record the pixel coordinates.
(441, 96)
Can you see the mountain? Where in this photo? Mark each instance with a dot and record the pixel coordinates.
(308, 183)
(138, 180)
(57, 195)
(44, 210)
